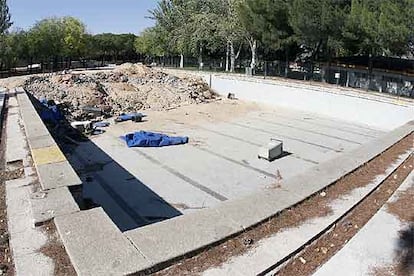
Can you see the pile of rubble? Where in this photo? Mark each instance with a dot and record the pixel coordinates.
(128, 88)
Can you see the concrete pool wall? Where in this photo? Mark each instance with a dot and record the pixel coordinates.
(383, 112)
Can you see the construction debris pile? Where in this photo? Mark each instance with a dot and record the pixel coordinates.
(128, 88)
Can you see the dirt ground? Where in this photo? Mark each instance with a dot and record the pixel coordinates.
(315, 206)
(13, 82)
(6, 261)
(192, 115)
(55, 250)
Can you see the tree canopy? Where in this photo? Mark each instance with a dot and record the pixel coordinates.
(307, 30)
(321, 28)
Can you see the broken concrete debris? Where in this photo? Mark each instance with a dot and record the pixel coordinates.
(135, 117)
(128, 88)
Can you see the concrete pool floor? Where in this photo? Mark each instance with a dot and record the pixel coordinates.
(139, 186)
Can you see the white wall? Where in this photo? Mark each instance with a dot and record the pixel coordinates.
(375, 111)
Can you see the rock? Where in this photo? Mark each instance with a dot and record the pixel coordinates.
(324, 250)
(302, 260)
(323, 194)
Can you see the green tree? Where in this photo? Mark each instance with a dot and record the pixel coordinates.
(47, 38)
(5, 22)
(147, 43)
(268, 22)
(74, 38)
(318, 25)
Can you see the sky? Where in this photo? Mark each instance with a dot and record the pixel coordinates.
(100, 16)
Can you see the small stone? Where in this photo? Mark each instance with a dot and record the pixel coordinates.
(356, 226)
(324, 250)
(302, 260)
(323, 194)
(248, 242)
(332, 245)
(395, 176)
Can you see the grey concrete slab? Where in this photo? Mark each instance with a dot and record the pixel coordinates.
(25, 240)
(170, 187)
(316, 118)
(95, 192)
(52, 203)
(315, 137)
(33, 265)
(15, 143)
(37, 142)
(178, 236)
(33, 125)
(301, 149)
(57, 175)
(227, 147)
(96, 247)
(226, 174)
(252, 209)
(314, 123)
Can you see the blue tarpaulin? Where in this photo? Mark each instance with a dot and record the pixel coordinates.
(151, 139)
(51, 113)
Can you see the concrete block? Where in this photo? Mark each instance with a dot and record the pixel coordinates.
(176, 237)
(96, 246)
(271, 151)
(52, 203)
(56, 175)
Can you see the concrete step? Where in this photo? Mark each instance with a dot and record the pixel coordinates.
(96, 246)
(53, 169)
(49, 204)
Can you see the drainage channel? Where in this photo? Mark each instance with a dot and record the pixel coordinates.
(317, 251)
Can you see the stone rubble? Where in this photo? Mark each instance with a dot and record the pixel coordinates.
(128, 88)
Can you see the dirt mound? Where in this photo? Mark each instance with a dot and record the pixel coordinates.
(130, 87)
(133, 69)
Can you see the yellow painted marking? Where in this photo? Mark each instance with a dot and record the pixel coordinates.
(47, 155)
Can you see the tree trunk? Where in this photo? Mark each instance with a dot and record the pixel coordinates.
(253, 48)
(181, 61)
(232, 57)
(287, 62)
(227, 55)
